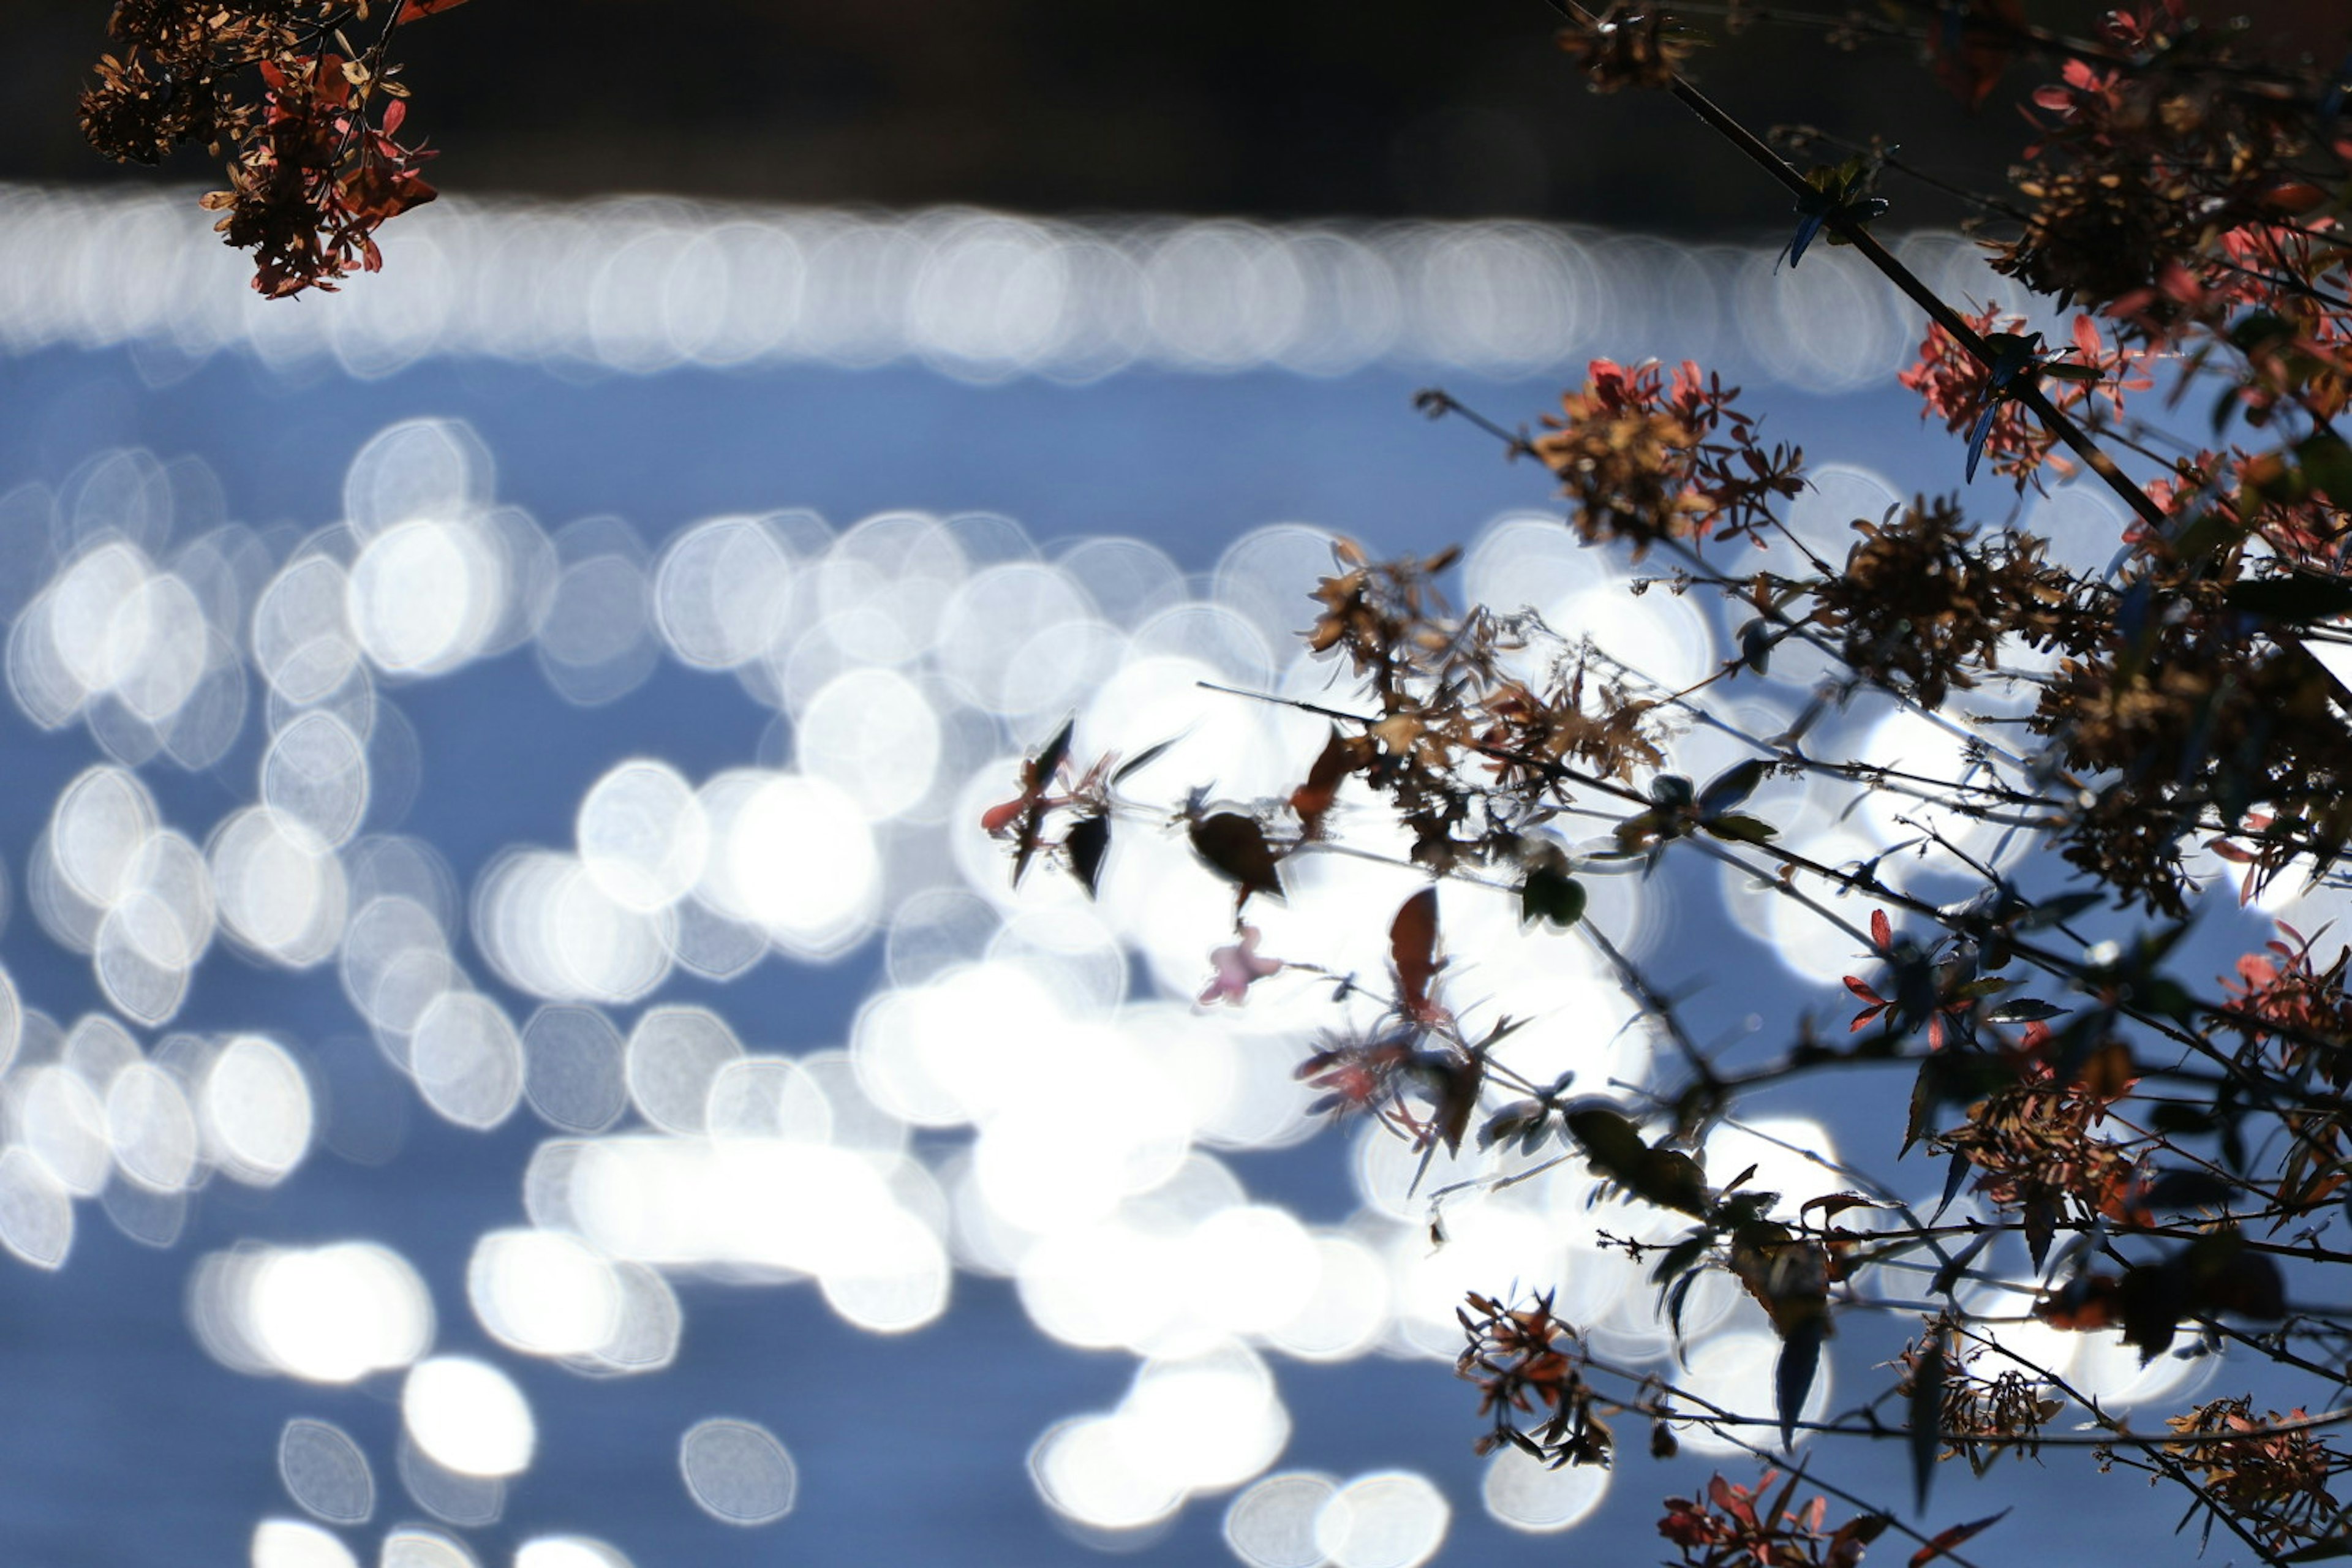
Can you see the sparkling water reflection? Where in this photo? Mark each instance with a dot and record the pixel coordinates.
(744, 1029)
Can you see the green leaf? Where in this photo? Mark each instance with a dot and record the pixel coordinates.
(1087, 842)
(2260, 330)
(2065, 907)
(1957, 1265)
(2204, 536)
(2327, 461)
(1678, 1296)
(1682, 1257)
(1957, 1166)
(1615, 1149)
(2171, 1117)
(2154, 1299)
(1740, 829)
(1792, 1374)
(2039, 1220)
(1041, 767)
(2165, 995)
(2184, 1189)
(1234, 846)
(1140, 761)
(1732, 786)
(1551, 896)
(2300, 598)
(1925, 1413)
(1609, 1140)
(1517, 1119)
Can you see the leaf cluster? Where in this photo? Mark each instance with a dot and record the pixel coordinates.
(306, 118)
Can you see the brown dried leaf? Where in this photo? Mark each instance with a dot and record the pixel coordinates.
(1412, 949)
(1341, 755)
(1945, 1540)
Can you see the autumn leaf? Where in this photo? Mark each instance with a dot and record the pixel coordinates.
(1853, 1537)
(1340, 756)
(1412, 950)
(1942, 1542)
(1025, 812)
(1877, 1004)
(1831, 1204)
(417, 10)
(2086, 1303)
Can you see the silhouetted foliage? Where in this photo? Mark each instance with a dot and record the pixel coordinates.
(2173, 1156)
(306, 118)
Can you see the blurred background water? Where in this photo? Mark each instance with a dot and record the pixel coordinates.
(515, 1049)
(503, 969)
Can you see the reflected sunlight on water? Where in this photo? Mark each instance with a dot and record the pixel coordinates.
(643, 285)
(1071, 1122)
(1031, 1092)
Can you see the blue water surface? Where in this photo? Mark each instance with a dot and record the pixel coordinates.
(122, 1444)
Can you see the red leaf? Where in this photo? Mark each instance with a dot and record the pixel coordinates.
(1945, 1540)
(2087, 340)
(1412, 948)
(417, 10)
(1864, 991)
(1882, 935)
(1339, 758)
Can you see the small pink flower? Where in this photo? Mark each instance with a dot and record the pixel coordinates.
(1237, 966)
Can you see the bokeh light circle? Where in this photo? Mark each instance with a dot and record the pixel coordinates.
(737, 1472)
